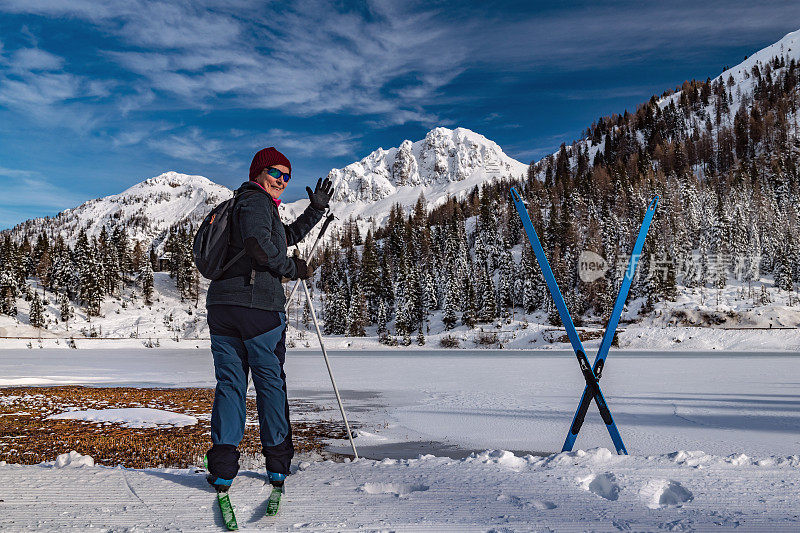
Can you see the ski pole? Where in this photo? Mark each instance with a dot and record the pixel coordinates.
(325, 225)
(328, 364)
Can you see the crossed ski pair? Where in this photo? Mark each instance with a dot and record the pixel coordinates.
(590, 374)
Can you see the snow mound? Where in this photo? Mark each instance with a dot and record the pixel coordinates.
(500, 457)
(73, 460)
(524, 503)
(604, 485)
(695, 458)
(592, 457)
(398, 489)
(659, 493)
(133, 417)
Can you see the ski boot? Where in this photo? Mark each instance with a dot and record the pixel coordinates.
(276, 480)
(219, 484)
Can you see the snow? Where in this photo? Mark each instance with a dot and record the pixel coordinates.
(713, 438)
(446, 163)
(134, 417)
(730, 319)
(73, 460)
(474, 400)
(583, 490)
(147, 209)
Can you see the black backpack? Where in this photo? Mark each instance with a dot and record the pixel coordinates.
(212, 240)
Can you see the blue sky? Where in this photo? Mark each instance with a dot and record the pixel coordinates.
(97, 96)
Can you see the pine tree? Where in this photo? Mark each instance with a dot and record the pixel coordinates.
(92, 288)
(36, 315)
(783, 270)
(124, 256)
(356, 315)
(506, 279)
(65, 308)
(8, 292)
(369, 276)
(111, 270)
(146, 282)
(404, 318)
(137, 257)
(468, 317)
(488, 310)
(335, 309)
(533, 284)
(382, 317)
(306, 314)
(451, 304)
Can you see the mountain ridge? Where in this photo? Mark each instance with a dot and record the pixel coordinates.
(444, 163)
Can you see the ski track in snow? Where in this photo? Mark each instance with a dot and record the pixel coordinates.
(491, 491)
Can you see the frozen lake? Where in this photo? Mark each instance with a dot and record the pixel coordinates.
(458, 401)
(741, 410)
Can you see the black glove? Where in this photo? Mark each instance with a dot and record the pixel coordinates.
(321, 195)
(303, 270)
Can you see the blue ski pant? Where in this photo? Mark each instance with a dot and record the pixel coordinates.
(246, 340)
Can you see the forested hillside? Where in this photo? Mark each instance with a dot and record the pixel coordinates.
(722, 155)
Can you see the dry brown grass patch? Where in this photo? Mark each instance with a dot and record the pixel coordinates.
(27, 437)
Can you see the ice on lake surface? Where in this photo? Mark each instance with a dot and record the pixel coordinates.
(713, 441)
(462, 400)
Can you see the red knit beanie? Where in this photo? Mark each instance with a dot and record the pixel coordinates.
(266, 158)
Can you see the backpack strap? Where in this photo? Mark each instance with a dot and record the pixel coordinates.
(240, 254)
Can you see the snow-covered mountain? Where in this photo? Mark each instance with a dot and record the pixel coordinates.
(446, 163)
(691, 112)
(147, 210)
(740, 78)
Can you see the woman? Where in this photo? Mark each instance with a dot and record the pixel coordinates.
(247, 321)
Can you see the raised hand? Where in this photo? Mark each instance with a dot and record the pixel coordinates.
(321, 195)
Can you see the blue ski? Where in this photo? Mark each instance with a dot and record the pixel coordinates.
(611, 327)
(589, 375)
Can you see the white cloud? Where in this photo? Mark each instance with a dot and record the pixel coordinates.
(16, 173)
(303, 58)
(191, 145)
(26, 59)
(35, 92)
(326, 145)
(133, 134)
(35, 84)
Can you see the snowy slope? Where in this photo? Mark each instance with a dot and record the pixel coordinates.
(741, 89)
(788, 47)
(147, 209)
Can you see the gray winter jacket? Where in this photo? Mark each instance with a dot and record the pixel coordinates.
(255, 279)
